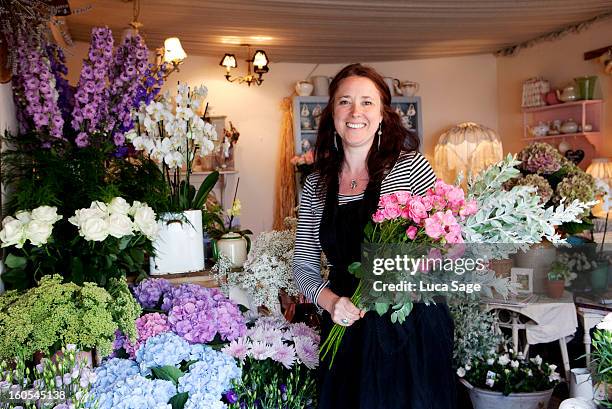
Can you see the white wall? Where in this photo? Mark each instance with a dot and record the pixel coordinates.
(8, 121)
(453, 90)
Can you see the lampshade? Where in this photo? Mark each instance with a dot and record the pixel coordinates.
(229, 61)
(260, 59)
(601, 168)
(173, 51)
(467, 148)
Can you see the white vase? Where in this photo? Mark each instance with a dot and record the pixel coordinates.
(179, 247)
(233, 246)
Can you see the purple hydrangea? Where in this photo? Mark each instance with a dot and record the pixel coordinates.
(34, 88)
(149, 292)
(540, 158)
(147, 326)
(92, 96)
(198, 314)
(126, 75)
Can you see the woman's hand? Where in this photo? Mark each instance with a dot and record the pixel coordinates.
(342, 310)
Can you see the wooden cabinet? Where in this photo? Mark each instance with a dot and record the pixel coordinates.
(306, 111)
(584, 113)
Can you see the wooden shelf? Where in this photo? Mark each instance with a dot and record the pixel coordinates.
(563, 105)
(208, 172)
(563, 135)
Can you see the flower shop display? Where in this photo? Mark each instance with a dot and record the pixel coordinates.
(601, 358)
(168, 372)
(506, 380)
(63, 382)
(556, 178)
(278, 361)
(112, 241)
(44, 318)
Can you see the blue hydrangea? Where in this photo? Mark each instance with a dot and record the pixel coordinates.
(211, 375)
(204, 401)
(113, 371)
(137, 392)
(160, 350)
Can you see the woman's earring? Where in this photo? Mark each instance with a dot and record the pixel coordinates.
(335, 140)
(379, 134)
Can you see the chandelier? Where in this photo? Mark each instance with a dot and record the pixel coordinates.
(257, 66)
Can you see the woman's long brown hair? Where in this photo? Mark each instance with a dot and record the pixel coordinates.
(395, 137)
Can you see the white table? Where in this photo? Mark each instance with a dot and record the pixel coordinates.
(590, 314)
(548, 320)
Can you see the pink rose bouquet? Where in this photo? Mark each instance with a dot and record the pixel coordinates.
(431, 221)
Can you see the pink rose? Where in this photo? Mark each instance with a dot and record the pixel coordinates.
(411, 232)
(387, 200)
(403, 197)
(470, 208)
(440, 188)
(378, 217)
(416, 211)
(447, 218)
(309, 157)
(453, 237)
(392, 211)
(433, 228)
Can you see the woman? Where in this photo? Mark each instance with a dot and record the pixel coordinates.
(362, 151)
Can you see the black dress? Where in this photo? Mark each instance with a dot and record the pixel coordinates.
(380, 365)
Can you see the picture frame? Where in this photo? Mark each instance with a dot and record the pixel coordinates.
(524, 277)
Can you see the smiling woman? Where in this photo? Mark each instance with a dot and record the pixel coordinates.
(363, 151)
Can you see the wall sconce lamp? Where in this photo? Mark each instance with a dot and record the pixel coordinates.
(171, 54)
(259, 63)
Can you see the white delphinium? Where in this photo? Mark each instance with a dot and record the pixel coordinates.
(35, 226)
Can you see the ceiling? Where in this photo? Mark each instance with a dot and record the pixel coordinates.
(339, 31)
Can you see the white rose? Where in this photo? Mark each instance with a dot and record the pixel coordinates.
(119, 205)
(504, 360)
(461, 372)
(101, 206)
(144, 215)
(94, 229)
(150, 230)
(119, 225)
(82, 215)
(46, 214)
(135, 206)
(38, 232)
(23, 216)
(12, 233)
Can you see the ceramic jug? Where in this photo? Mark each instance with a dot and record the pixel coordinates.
(581, 384)
(321, 85)
(303, 88)
(234, 246)
(409, 88)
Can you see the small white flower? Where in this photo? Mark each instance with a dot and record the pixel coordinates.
(461, 372)
(490, 361)
(514, 364)
(468, 366)
(504, 360)
(537, 360)
(530, 373)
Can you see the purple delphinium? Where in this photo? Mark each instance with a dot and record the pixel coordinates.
(92, 96)
(34, 86)
(148, 89)
(65, 101)
(198, 314)
(125, 76)
(149, 292)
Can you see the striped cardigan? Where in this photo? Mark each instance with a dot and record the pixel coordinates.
(410, 173)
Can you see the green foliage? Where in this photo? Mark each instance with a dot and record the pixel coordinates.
(601, 356)
(269, 385)
(125, 309)
(54, 314)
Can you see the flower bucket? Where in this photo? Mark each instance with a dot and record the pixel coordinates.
(179, 247)
(484, 399)
(233, 246)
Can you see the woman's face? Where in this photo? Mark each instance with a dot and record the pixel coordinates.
(357, 111)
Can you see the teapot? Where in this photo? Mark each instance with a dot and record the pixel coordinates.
(569, 93)
(569, 126)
